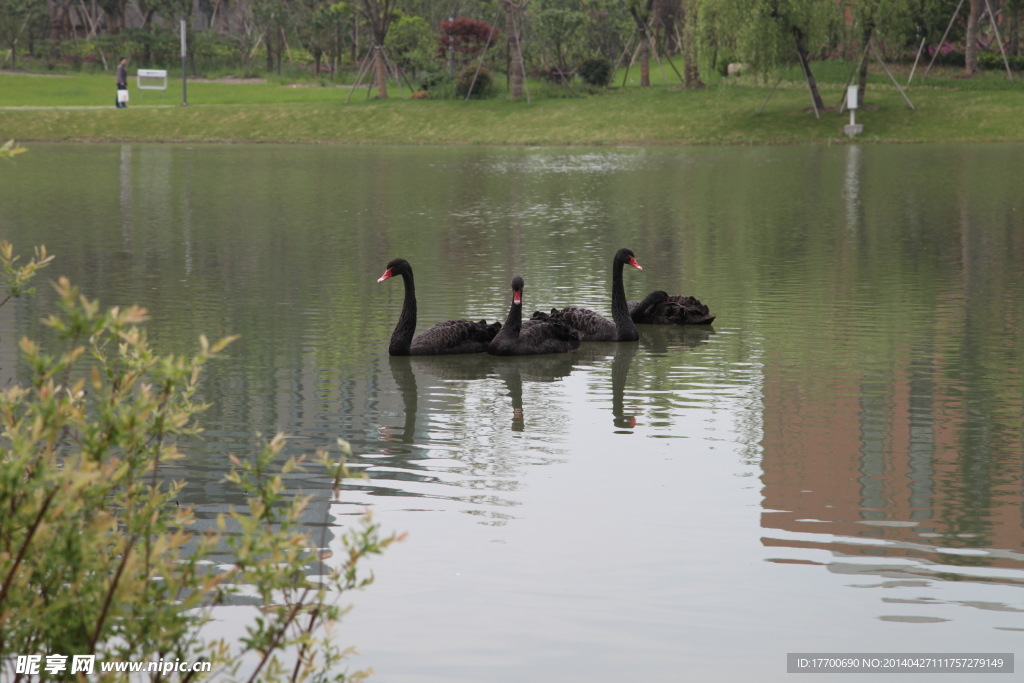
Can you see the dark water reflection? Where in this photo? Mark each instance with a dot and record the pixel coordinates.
(835, 466)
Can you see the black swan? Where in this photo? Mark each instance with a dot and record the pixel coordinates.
(452, 336)
(661, 308)
(517, 338)
(592, 326)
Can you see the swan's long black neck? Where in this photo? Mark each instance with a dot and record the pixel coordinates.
(401, 338)
(509, 333)
(514, 322)
(624, 327)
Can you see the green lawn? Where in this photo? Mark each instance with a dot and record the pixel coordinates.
(80, 107)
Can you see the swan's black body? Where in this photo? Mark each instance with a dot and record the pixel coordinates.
(533, 337)
(591, 326)
(661, 308)
(452, 336)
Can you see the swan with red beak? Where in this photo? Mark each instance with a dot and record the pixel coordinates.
(449, 337)
(592, 326)
(533, 337)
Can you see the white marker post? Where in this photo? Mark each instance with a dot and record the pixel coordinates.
(184, 74)
(851, 103)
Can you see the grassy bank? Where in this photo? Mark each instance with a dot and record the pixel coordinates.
(79, 108)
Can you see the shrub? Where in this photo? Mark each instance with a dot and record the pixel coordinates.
(466, 37)
(596, 71)
(481, 83)
(412, 43)
(994, 60)
(96, 556)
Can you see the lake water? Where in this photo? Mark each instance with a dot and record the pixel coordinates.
(834, 467)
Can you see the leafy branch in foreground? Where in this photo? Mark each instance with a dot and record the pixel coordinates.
(17, 278)
(11, 148)
(96, 555)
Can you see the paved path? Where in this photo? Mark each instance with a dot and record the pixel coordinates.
(90, 107)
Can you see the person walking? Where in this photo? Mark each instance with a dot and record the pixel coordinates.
(122, 84)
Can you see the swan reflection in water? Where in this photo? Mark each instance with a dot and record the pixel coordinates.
(513, 372)
(659, 339)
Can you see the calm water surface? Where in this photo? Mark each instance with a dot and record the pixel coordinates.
(834, 466)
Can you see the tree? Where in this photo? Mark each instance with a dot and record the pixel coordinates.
(378, 14)
(15, 17)
(687, 21)
(465, 37)
(771, 34)
(272, 17)
(560, 29)
(513, 27)
(641, 11)
(322, 26)
(607, 27)
(413, 43)
(971, 47)
(876, 18)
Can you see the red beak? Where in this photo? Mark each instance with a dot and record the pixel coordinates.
(385, 276)
(517, 297)
(632, 262)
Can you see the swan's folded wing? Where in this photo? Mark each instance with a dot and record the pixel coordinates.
(645, 312)
(588, 324)
(549, 336)
(690, 311)
(455, 336)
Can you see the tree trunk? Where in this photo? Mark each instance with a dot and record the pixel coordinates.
(971, 52)
(862, 76)
(382, 72)
(691, 74)
(645, 60)
(811, 83)
(280, 51)
(451, 50)
(669, 14)
(516, 68)
(1014, 39)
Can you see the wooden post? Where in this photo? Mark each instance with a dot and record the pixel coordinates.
(625, 51)
(769, 96)
(891, 78)
(939, 47)
(483, 56)
(919, 51)
(359, 76)
(807, 80)
(657, 57)
(856, 70)
(519, 45)
(393, 68)
(636, 52)
(995, 27)
(669, 60)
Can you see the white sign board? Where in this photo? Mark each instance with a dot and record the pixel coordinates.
(151, 75)
(851, 97)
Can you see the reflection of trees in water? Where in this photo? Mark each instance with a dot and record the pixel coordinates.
(914, 451)
(918, 577)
